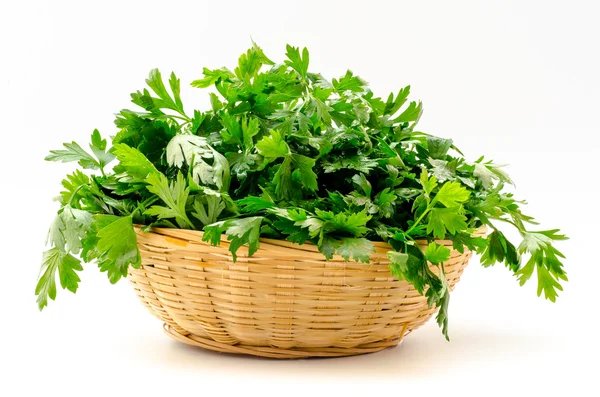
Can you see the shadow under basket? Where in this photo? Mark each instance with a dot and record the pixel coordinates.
(286, 301)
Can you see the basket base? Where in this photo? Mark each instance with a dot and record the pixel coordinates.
(274, 352)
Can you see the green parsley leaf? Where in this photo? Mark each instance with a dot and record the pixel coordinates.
(211, 77)
(98, 147)
(499, 249)
(314, 225)
(322, 109)
(164, 100)
(484, 175)
(174, 195)
(438, 147)
(295, 233)
(436, 253)
(385, 200)
(428, 183)
(548, 284)
(451, 194)
(283, 180)
(398, 264)
(358, 163)
(298, 62)
(250, 128)
(117, 245)
(349, 82)
(73, 184)
(545, 259)
(352, 224)
(359, 249)
(442, 316)
(411, 113)
(233, 130)
(327, 246)
(55, 260)
(443, 220)
(250, 63)
(304, 166)
(68, 228)
(208, 166)
(74, 152)
(361, 181)
(240, 232)
(252, 204)
(393, 105)
(208, 208)
(133, 162)
(443, 170)
(273, 146)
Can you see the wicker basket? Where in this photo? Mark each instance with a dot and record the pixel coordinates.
(286, 301)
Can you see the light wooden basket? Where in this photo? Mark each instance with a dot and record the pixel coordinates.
(286, 301)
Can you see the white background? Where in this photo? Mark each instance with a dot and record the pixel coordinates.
(515, 80)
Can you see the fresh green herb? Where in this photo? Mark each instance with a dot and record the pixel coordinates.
(285, 153)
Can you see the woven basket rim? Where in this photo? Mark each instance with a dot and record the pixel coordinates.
(480, 231)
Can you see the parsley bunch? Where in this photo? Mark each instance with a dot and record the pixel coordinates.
(285, 153)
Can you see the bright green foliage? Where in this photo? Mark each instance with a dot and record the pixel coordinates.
(286, 153)
(398, 263)
(545, 259)
(445, 220)
(206, 165)
(133, 163)
(67, 229)
(173, 194)
(273, 146)
(208, 207)
(298, 62)
(437, 253)
(66, 264)
(117, 247)
(240, 231)
(98, 147)
(74, 152)
(452, 194)
(427, 183)
(499, 249)
(72, 184)
(358, 249)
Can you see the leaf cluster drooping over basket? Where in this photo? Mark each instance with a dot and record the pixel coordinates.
(285, 153)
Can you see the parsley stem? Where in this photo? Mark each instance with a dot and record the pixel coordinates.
(183, 117)
(70, 202)
(418, 221)
(507, 221)
(184, 124)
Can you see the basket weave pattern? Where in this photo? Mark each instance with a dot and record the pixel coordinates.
(286, 301)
